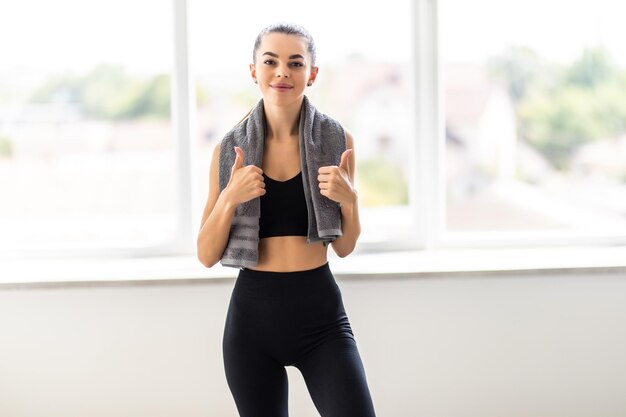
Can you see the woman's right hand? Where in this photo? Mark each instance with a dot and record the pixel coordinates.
(246, 182)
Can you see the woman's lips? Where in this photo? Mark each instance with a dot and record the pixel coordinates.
(279, 88)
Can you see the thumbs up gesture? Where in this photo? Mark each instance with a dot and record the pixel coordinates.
(239, 156)
(246, 181)
(335, 182)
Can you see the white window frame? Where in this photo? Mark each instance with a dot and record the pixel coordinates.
(426, 211)
(183, 113)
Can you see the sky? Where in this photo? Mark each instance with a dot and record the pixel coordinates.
(75, 35)
(556, 29)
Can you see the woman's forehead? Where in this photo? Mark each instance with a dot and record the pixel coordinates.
(283, 44)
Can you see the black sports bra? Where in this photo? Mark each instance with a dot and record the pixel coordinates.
(283, 208)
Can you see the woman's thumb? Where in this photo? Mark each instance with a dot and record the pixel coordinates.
(238, 158)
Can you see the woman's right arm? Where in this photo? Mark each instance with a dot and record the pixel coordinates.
(217, 218)
(244, 184)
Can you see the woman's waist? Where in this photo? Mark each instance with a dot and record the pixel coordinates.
(313, 288)
(290, 254)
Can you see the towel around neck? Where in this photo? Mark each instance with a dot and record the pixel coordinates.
(322, 141)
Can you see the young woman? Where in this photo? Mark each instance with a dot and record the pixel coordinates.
(288, 309)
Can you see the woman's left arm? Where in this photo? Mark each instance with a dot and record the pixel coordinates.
(347, 196)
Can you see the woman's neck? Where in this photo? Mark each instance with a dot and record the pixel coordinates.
(283, 122)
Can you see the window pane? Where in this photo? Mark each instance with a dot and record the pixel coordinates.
(86, 150)
(363, 82)
(535, 115)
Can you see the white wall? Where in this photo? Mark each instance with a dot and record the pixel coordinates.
(433, 345)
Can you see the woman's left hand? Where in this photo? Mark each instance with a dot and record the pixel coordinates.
(335, 183)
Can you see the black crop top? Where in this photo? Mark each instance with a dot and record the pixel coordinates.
(283, 208)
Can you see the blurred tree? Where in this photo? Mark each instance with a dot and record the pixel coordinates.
(381, 183)
(517, 68)
(6, 147)
(153, 99)
(557, 124)
(108, 92)
(203, 96)
(592, 68)
(559, 109)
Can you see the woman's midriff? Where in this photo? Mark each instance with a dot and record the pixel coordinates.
(290, 253)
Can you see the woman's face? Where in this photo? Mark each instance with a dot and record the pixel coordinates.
(282, 59)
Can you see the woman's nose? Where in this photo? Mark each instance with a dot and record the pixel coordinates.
(282, 71)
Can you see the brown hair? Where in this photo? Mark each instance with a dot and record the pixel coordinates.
(287, 29)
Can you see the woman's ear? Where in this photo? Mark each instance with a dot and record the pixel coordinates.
(314, 71)
(253, 72)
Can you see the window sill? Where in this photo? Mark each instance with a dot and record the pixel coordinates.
(402, 263)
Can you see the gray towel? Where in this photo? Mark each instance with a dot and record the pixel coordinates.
(322, 141)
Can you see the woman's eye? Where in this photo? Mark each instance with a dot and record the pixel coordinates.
(298, 64)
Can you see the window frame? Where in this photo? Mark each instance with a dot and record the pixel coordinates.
(426, 211)
(427, 27)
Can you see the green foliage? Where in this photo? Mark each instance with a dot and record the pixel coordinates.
(108, 92)
(559, 109)
(202, 96)
(153, 99)
(557, 124)
(381, 183)
(517, 68)
(6, 147)
(246, 97)
(591, 69)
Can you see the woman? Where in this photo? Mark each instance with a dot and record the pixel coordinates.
(288, 309)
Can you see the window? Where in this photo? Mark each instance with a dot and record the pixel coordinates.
(535, 122)
(474, 122)
(86, 144)
(364, 57)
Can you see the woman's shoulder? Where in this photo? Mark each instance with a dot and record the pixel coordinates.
(327, 118)
(330, 124)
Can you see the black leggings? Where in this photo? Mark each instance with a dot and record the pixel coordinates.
(278, 319)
